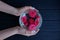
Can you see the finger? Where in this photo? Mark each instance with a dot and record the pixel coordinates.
(27, 32)
(37, 30)
(34, 32)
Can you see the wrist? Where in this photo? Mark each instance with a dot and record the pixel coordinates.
(8, 32)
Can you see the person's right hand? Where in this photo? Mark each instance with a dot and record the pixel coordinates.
(26, 32)
(20, 10)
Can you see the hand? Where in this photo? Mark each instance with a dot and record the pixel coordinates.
(26, 32)
(22, 10)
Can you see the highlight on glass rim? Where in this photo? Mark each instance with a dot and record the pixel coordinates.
(30, 19)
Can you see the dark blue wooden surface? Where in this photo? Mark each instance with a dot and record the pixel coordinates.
(50, 11)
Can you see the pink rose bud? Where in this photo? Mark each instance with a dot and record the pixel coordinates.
(32, 27)
(24, 19)
(32, 13)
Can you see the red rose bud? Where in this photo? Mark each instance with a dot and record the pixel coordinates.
(32, 13)
(36, 22)
(32, 27)
(31, 21)
(24, 19)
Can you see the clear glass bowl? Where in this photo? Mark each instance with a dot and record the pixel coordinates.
(25, 14)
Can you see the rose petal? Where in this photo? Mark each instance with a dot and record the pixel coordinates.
(36, 22)
(32, 27)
